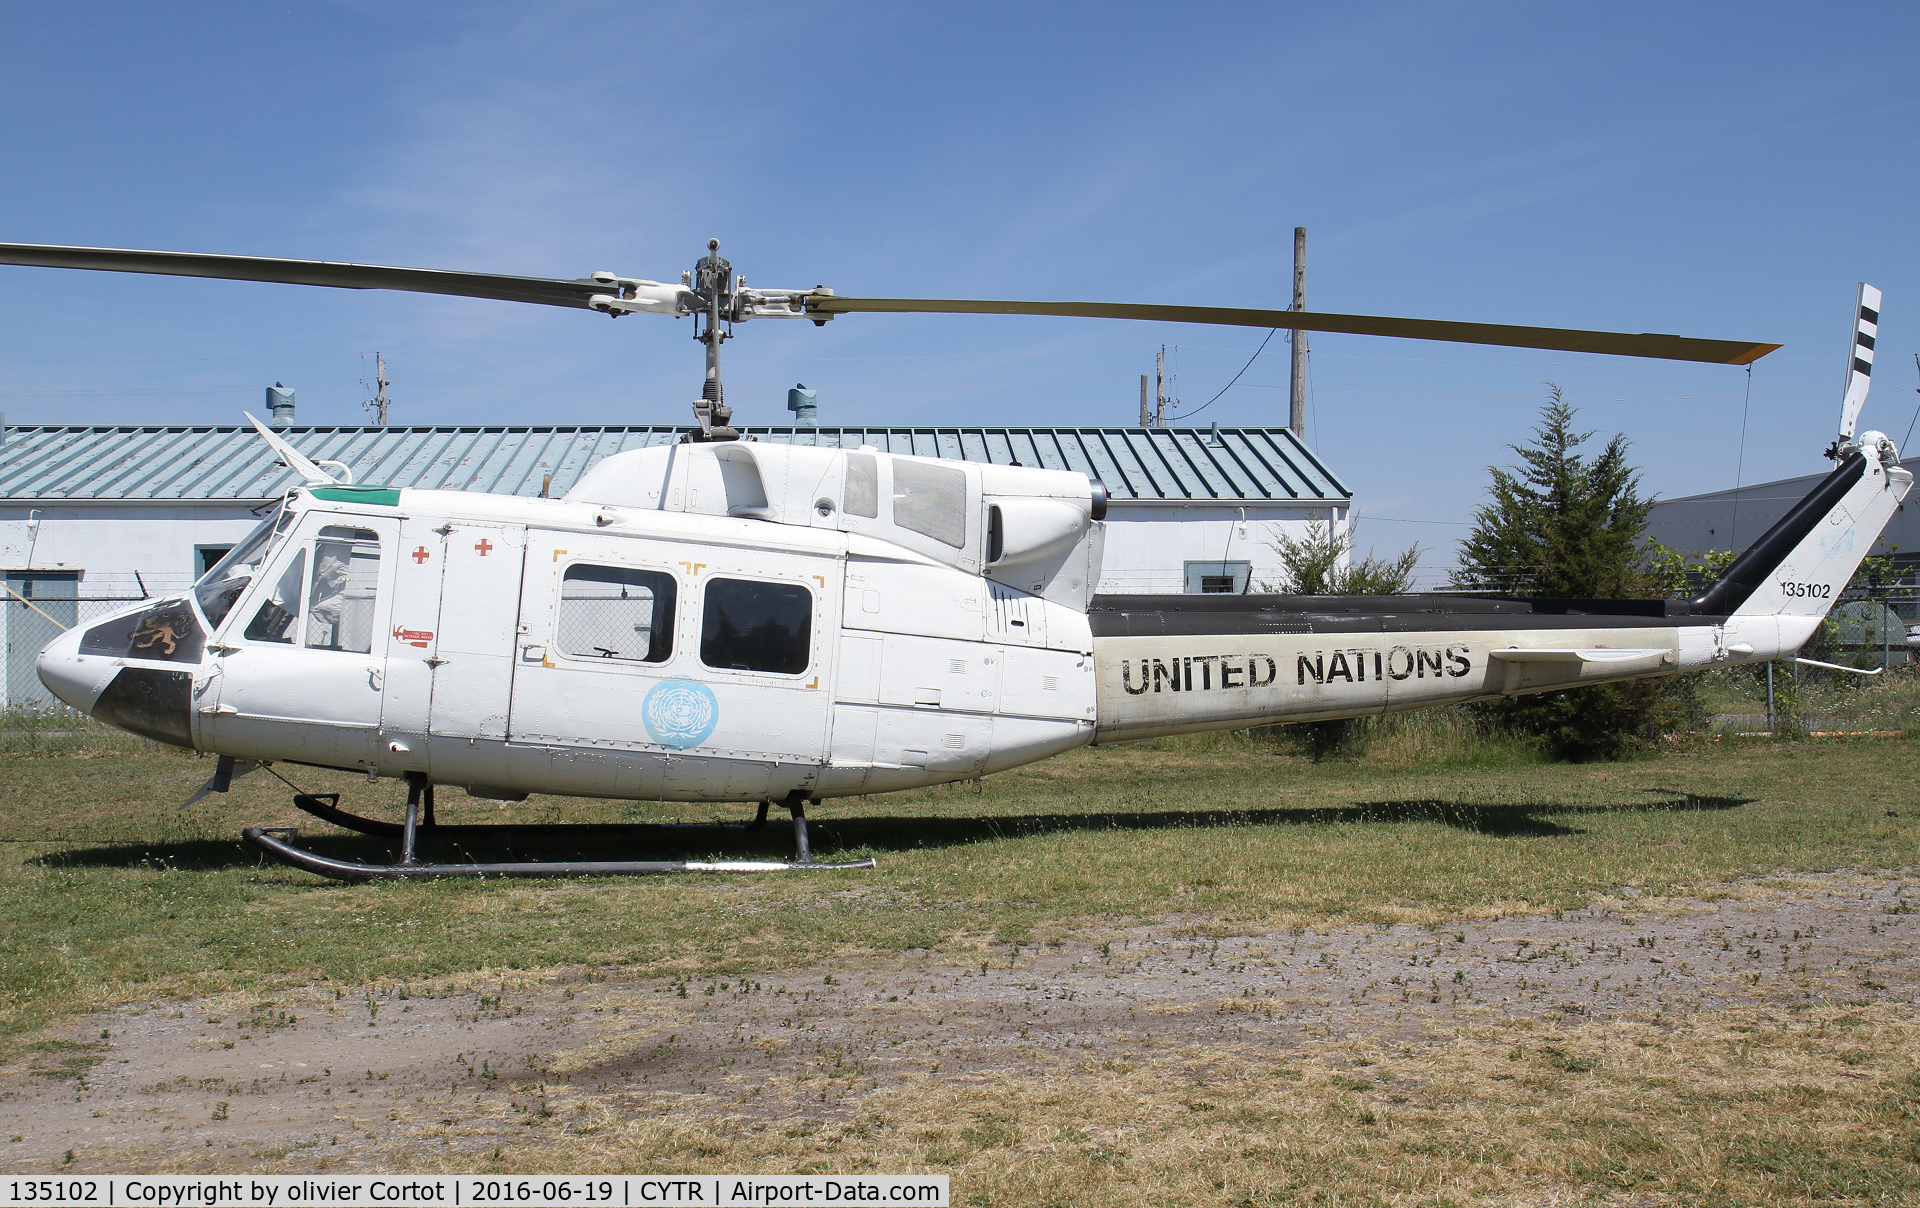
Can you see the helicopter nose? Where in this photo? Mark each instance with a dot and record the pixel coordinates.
(75, 678)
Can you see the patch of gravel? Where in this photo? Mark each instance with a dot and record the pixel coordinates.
(393, 1077)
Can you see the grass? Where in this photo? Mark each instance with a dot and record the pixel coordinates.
(109, 894)
(1812, 698)
(36, 733)
(1660, 1116)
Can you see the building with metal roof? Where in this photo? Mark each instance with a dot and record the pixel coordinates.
(95, 515)
(229, 462)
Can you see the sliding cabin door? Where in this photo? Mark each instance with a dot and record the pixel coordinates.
(662, 669)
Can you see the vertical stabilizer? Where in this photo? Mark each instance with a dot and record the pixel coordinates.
(1802, 564)
(1866, 329)
(1799, 567)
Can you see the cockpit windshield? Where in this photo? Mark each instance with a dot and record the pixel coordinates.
(220, 587)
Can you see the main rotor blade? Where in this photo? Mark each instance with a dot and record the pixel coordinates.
(546, 291)
(1672, 348)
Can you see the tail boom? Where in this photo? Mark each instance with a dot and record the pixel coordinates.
(1179, 664)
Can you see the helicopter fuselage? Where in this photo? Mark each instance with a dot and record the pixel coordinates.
(772, 637)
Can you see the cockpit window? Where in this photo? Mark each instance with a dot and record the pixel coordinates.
(346, 568)
(220, 587)
(273, 622)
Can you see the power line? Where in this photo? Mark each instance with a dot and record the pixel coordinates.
(1236, 377)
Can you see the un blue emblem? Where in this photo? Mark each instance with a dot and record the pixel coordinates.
(680, 713)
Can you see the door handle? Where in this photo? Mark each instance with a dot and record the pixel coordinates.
(374, 675)
(434, 662)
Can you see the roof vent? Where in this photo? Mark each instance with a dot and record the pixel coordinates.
(804, 405)
(280, 402)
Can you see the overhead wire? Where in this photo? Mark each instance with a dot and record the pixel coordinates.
(1916, 408)
(1740, 464)
(1236, 377)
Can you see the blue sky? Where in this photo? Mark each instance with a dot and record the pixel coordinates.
(1721, 170)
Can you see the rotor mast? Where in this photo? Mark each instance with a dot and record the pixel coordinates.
(713, 285)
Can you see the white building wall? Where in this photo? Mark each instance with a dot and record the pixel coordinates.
(122, 551)
(109, 542)
(1149, 545)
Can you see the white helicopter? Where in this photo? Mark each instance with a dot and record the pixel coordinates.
(734, 621)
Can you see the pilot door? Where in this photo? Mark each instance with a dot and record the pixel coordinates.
(301, 659)
(671, 670)
(451, 646)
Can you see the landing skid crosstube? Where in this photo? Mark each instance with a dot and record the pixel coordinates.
(279, 842)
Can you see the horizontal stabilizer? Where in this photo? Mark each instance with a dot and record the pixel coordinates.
(1598, 654)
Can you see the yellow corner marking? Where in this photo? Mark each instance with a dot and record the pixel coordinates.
(557, 553)
(822, 580)
(815, 683)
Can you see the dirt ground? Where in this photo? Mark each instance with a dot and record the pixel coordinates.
(448, 1076)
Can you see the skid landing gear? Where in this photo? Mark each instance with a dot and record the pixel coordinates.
(278, 842)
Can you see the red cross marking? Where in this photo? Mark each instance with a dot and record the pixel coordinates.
(484, 546)
(421, 554)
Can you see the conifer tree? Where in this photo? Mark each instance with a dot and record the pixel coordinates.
(1558, 524)
(1561, 525)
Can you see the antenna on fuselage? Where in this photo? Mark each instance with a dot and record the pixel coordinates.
(309, 471)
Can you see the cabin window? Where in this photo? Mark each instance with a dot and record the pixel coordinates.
(273, 622)
(346, 567)
(863, 485)
(931, 501)
(616, 612)
(752, 626)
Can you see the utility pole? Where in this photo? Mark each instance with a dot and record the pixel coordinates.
(377, 404)
(1146, 414)
(1160, 388)
(1297, 417)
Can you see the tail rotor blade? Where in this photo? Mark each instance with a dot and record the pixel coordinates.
(1866, 330)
